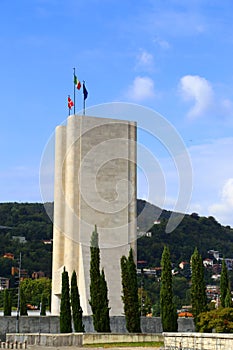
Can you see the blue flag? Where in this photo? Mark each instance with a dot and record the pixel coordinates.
(85, 92)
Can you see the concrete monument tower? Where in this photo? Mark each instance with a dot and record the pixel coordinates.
(95, 184)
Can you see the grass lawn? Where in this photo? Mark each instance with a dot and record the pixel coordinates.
(154, 344)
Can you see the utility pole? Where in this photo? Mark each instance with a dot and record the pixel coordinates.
(18, 301)
(142, 296)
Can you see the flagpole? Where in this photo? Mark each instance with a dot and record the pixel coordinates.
(74, 90)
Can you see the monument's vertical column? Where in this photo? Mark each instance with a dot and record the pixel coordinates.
(59, 217)
(72, 194)
(133, 186)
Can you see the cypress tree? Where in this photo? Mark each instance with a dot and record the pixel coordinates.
(105, 320)
(7, 303)
(94, 279)
(98, 288)
(65, 312)
(23, 303)
(167, 307)
(198, 287)
(228, 299)
(224, 283)
(130, 293)
(43, 305)
(77, 311)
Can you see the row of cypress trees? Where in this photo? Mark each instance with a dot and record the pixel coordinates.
(198, 294)
(70, 299)
(99, 295)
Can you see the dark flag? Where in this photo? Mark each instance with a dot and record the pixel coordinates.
(85, 92)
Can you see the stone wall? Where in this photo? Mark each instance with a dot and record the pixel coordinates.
(186, 324)
(50, 324)
(80, 339)
(28, 324)
(198, 341)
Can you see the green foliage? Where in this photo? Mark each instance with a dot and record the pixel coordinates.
(14, 298)
(34, 289)
(77, 311)
(198, 294)
(205, 233)
(151, 289)
(7, 303)
(217, 320)
(43, 305)
(5, 267)
(224, 283)
(180, 286)
(32, 222)
(167, 307)
(23, 303)
(144, 302)
(228, 299)
(65, 312)
(98, 288)
(105, 320)
(94, 279)
(130, 293)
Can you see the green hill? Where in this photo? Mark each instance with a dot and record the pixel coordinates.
(193, 231)
(31, 221)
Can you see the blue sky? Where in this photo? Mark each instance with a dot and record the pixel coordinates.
(170, 56)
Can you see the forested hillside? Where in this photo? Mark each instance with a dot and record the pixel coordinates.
(194, 231)
(27, 220)
(31, 221)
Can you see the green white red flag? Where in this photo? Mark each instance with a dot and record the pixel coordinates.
(77, 82)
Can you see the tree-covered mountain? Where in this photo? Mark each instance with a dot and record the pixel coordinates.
(193, 231)
(30, 220)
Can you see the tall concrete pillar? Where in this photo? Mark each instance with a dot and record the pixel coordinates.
(95, 184)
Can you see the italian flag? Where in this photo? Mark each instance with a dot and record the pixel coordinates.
(77, 82)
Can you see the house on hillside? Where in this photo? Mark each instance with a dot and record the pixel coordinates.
(9, 256)
(185, 268)
(208, 263)
(4, 283)
(229, 263)
(21, 239)
(38, 274)
(23, 272)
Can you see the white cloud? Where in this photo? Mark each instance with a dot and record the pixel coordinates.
(199, 90)
(223, 210)
(145, 61)
(141, 89)
(162, 43)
